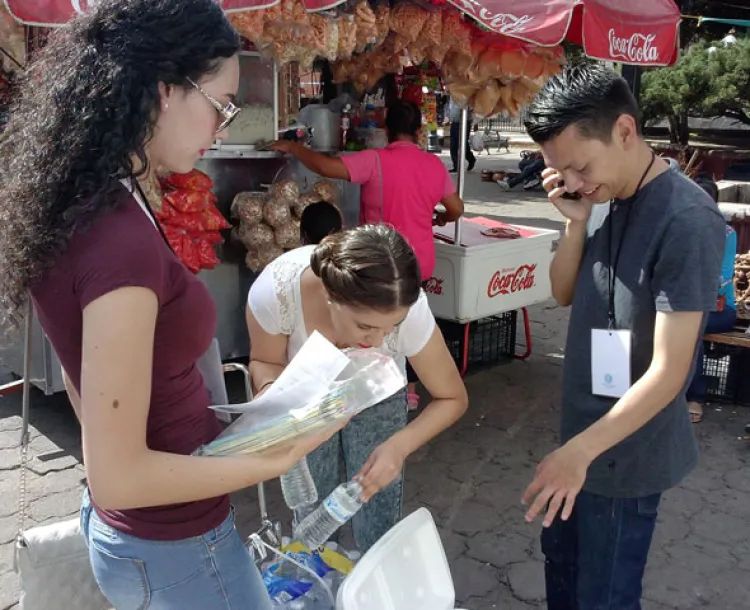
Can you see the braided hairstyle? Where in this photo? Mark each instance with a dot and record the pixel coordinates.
(371, 266)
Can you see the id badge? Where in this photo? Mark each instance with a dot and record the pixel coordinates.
(610, 362)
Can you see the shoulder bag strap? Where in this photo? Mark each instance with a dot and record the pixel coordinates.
(25, 415)
(382, 184)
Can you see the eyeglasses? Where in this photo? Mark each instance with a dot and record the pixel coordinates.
(228, 112)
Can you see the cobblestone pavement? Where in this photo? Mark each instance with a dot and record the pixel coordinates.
(471, 477)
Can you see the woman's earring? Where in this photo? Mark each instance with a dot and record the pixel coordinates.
(166, 106)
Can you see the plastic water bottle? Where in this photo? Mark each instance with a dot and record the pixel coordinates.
(298, 487)
(333, 512)
(333, 580)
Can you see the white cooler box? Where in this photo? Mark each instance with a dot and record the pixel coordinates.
(487, 275)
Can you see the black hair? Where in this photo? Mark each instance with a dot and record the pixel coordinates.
(87, 108)
(369, 266)
(403, 119)
(707, 183)
(319, 220)
(587, 95)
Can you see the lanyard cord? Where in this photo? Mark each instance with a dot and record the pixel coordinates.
(150, 212)
(612, 266)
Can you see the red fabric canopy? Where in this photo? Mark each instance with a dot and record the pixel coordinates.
(642, 32)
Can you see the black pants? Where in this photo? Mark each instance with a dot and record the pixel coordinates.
(455, 137)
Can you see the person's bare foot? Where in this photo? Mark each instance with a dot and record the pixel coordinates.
(696, 412)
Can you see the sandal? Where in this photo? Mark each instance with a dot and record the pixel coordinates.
(412, 401)
(696, 412)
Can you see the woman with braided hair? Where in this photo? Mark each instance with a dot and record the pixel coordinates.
(359, 288)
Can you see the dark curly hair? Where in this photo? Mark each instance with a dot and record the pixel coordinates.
(87, 107)
(368, 266)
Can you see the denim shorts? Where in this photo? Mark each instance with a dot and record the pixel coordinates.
(210, 572)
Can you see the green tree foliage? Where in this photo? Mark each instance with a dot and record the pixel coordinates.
(728, 72)
(705, 82)
(573, 53)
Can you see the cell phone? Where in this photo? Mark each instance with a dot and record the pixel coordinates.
(566, 194)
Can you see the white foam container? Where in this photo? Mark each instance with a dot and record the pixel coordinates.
(405, 570)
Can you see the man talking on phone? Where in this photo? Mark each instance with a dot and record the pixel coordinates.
(638, 264)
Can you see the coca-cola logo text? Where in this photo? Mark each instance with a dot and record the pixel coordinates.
(505, 23)
(434, 285)
(509, 281)
(82, 6)
(639, 48)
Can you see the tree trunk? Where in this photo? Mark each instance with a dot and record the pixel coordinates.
(684, 129)
(674, 130)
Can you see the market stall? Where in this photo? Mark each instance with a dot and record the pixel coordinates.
(428, 51)
(492, 56)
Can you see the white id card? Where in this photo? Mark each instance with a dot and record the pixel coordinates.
(610, 362)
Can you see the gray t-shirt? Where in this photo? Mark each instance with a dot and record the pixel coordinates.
(670, 261)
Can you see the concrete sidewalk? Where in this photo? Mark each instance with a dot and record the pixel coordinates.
(472, 477)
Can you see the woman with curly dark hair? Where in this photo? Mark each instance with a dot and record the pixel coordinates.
(133, 85)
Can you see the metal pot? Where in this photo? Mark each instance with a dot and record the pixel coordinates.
(326, 128)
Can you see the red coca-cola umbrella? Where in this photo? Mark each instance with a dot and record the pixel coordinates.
(641, 32)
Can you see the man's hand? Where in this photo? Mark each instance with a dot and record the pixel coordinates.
(384, 466)
(559, 478)
(576, 210)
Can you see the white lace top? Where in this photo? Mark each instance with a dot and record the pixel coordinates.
(276, 302)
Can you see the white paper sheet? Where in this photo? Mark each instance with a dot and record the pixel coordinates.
(307, 378)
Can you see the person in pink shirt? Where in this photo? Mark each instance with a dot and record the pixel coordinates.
(401, 184)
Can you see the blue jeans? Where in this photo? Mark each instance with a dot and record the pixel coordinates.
(209, 572)
(529, 168)
(718, 322)
(595, 560)
(355, 443)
